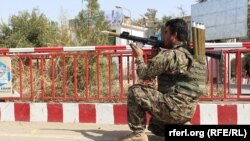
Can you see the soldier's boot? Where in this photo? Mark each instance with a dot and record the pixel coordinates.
(156, 127)
(135, 137)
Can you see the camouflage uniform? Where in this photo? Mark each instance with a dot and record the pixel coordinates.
(181, 80)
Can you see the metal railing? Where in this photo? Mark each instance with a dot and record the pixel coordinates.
(104, 73)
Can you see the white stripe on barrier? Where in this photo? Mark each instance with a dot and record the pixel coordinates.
(208, 114)
(128, 48)
(224, 45)
(104, 113)
(38, 112)
(145, 47)
(16, 50)
(79, 48)
(236, 45)
(7, 112)
(243, 111)
(71, 112)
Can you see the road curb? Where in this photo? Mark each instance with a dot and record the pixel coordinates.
(114, 113)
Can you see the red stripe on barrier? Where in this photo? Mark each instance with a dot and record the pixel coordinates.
(4, 50)
(246, 44)
(110, 48)
(120, 114)
(48, 49)
(87, 113)
(196, 118)
(22, 111)
(55, 112)
(227, 114)
(209, 48)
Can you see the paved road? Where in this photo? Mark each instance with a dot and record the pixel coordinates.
(32, 131)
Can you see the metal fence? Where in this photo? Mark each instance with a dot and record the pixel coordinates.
(104, 73)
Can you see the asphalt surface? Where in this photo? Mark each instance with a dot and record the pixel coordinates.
(38, 131)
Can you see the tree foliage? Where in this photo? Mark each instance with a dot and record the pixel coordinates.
(150, 21)
(36, 30)
(88, 25)
(27, 30)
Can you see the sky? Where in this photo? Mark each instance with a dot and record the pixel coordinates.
(53, 8)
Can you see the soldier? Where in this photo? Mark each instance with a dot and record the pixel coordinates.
(181, 81)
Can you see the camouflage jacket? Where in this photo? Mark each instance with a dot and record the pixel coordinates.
(180, 77)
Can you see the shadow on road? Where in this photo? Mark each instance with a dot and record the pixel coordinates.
(107, 135)
(103, 135)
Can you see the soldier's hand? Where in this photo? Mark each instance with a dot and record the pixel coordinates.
(136, 50)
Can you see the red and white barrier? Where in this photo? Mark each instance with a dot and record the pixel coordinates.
(236, 45)
(109, 113)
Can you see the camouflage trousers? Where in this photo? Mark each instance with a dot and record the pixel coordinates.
(142, 99)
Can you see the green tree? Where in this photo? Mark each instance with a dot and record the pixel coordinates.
(164, 19)
(64, 34)
(151, 15)
(27, 30)
(150, 21)
(88, 25)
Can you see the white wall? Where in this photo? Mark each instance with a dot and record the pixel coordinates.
(223, 19)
